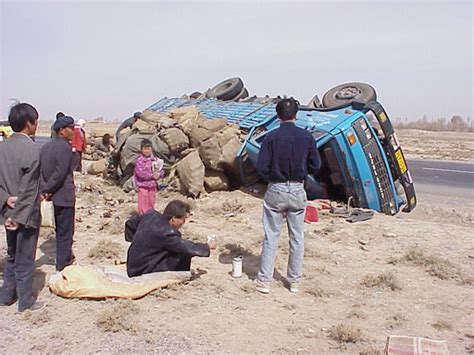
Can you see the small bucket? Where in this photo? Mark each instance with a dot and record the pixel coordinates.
(237, 266)
(311, 214)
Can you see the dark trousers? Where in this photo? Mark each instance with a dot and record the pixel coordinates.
(64, 219)
(77, 161)
(175, 262)
(19, 267)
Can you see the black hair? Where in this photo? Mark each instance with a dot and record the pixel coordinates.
(286, 109)
(20, 115)
(59, 115)
(145, 143)
(176, 208)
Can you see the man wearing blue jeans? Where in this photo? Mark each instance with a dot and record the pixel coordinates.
(286, 156)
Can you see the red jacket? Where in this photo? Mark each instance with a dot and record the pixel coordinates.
(79, 141)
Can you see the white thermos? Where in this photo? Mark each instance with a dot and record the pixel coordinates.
(237, 266)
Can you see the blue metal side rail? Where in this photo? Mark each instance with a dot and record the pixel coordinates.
(245, 114)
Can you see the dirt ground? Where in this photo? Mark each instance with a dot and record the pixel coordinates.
(411, 274)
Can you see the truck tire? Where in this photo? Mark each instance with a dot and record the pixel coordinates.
(344, 93)
(315, 102)
(242, 95)
(227, 89)
(195, 95)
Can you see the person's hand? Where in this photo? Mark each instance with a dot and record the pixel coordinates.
(11, 201)
(73, 150)
(10, 224)
(46, 196)
(212, 244)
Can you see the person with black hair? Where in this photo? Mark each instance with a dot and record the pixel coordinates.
(57, 185)
(19, 207)
(286, 156)
(148, 169)
(157, 244)
(53, 132)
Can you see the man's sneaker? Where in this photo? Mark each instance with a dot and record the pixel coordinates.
(294, 287)
(263, 287)
(38, 305)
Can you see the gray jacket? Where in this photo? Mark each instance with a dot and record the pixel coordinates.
(19, 176)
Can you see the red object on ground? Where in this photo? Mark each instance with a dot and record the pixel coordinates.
(311, 214)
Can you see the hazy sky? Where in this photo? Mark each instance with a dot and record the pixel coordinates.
(110, 58)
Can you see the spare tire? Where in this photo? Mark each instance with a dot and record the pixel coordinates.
(347, 92)
(314, 102)
(241, 95)
(227, 89)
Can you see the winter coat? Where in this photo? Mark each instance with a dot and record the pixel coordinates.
(154, 242)
(143, 173)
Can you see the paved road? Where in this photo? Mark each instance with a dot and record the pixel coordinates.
(442, 173)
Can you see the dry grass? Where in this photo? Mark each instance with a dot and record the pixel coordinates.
(442, 325)
(344, 333)
(384, 280)
(105, 249)
(435, 266)
(120, 317)
(317, 292)
(233, 206)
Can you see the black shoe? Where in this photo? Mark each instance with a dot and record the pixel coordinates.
(9, 303)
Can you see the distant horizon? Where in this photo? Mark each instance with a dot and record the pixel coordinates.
(109, 58)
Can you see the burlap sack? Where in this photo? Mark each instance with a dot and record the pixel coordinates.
(199, 135)
(183, 113)
(213, 125)
(97, 167)
(210, 152)
(160, 148)
(226, 134)
(228, 157)
(176, 139)
(144, 127)
(215, 181)
(191, 173)
(158, 119)
(186, 116)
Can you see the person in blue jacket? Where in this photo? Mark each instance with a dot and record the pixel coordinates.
(287, 155)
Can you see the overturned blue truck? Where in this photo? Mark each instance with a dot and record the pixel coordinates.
(362, 160)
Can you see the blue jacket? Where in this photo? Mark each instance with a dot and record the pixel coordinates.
(288, 153)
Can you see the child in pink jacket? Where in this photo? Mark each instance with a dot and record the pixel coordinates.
(148, 169)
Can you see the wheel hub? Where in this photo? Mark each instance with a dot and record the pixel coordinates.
(347, 93)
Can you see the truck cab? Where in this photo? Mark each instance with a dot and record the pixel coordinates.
(358, 155)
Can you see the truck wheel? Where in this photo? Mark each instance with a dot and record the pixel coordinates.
(314, 102)
(344, 93)
(195, 95)
(242, 95)
(227, 89)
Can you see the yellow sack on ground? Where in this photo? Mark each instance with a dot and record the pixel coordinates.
(103, 282)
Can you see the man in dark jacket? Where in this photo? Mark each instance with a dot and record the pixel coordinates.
(157, 244)
(57, 184)
(286, 156)
(128, 123)
(19, 207)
